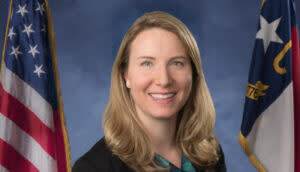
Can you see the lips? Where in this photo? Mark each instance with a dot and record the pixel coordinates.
(163, 98)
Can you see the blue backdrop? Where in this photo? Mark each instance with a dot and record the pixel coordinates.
(88, 35)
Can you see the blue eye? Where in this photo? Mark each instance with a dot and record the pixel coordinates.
(146, 63)
(178, 63)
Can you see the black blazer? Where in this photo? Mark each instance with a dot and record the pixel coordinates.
(101, 159)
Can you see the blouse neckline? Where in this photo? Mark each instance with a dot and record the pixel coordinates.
(186, 165)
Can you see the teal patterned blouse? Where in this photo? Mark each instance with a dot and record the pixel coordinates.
(186, 165)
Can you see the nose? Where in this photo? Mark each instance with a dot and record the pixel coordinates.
(163, 77)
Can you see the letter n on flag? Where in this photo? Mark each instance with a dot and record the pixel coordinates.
(33, 135)
(270, 131)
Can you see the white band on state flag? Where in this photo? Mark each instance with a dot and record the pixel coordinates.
(271, 139)
(22, 142)
(3, 169)
(25, 94)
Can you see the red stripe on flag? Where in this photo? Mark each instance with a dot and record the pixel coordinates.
(60, 145)
(27, 121)
(13, 161)
(296, 84)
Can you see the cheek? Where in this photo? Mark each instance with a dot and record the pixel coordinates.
(186, 83)
(138, 81)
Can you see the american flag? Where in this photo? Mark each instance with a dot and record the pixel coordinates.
(270, 131)
(33, 134)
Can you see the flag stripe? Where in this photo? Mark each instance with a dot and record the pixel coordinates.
(25, 94)
(20, 163)
(22, 142)
(271, 139)
(3, 169)
(27, 121)
(61, 158)
(296, 80)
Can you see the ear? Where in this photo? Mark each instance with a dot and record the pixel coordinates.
(127, 81)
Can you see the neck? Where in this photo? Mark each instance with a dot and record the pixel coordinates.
(162, 135)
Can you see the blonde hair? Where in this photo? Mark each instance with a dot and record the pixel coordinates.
(124, 133)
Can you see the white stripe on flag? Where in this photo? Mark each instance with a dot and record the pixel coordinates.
(3, 169)
(271, 139)
(28, 96)
(26, 145)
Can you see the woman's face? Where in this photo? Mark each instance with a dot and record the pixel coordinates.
(159, 74)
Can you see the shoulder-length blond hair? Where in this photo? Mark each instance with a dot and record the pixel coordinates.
(124, 133)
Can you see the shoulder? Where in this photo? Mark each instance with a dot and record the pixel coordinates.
(99, 158)
(220, 166)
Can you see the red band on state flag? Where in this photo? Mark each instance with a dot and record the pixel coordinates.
(28, 121)
(296, 84)
(13, 161)
(60, 145)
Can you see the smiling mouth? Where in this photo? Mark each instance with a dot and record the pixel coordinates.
(162, 96)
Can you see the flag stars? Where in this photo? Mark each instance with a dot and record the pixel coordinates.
(38, 70)
(15, 51)
(40, 8)
(22, 10)
(33, 50)
(11, 33)
(268, 33)
(27, 29)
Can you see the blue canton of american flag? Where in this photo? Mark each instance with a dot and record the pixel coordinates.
(33, 135)
(27, 52)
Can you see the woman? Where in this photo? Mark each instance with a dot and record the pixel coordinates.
(160, 116)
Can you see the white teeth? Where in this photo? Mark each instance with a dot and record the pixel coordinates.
(162, 96)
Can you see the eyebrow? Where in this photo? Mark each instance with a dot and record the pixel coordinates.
(152, 58)
(178, 57)
(146, 57)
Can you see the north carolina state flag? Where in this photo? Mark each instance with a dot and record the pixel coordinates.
(270, 128)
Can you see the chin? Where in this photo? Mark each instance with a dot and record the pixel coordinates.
(164, 116)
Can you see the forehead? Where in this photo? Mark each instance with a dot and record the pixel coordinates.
(156, 42)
